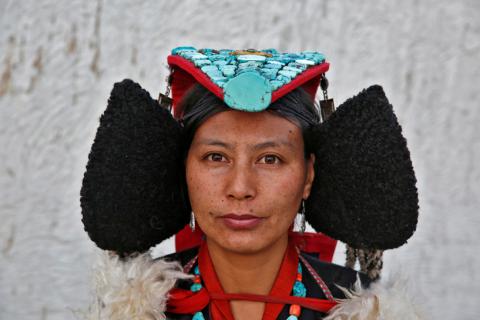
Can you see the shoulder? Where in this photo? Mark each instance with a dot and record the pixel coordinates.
(336, 276)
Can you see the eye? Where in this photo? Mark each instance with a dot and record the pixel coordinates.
(216, 157)
(270, 159)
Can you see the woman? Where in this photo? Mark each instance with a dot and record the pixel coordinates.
(246, 155)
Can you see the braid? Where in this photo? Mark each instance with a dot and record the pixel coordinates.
(370, 260)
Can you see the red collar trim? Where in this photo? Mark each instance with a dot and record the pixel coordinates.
(282, 287)
(187, 302)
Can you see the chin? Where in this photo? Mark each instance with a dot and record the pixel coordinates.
(245, 242)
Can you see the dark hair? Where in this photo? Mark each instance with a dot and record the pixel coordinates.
(199, 104)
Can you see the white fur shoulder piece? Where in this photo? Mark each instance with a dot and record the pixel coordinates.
(384, 300)
(133, 288)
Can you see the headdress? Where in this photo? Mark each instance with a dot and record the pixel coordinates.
(134, 193)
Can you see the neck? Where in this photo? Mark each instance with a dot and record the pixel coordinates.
(247, 273)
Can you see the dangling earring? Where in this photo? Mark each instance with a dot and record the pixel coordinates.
(192, 221)
(302, 218)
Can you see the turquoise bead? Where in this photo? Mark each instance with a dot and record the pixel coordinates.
(272, 66)
(248, 91)
(196, 270)
(198, 316)
(249, 64)
(288, 73)
(177, 50)
(270, 74)
(202, 62)
(283, 78)
(198, 56)
(299, 268)
(275, 62)
(219, 62)
(292, 69)
(292, 317)
(195, 287)
(276, 84)
(299, 289)
(305, 62)
(251, 57)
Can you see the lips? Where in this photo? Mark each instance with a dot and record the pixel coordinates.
(241, 221)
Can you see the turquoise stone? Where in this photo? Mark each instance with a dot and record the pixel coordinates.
(209, 68)
(249, 64)
(293, 69)
(198, 56)
(248, 69)
(214, 74)
(221, 83)
(216, 57)
(229, 73)
(177, 50)
(219, 78)
(287, 73)
(270, 74)
(305, 62)
(276, 84)
(196, 270)
(299, 289)
(219, 62)
(297, 65)
(198, 316)
(283, 78)
(299, 268)
(201, 63)
(248, 91)
(251, 57)
(207, 51)
(187, 54)
(273, 61)
(195, 287)
(272, 66)
(292, 317)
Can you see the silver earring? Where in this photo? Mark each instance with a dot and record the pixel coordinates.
(192, 221)
(302, 218)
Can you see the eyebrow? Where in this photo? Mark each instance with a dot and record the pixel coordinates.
(214, 142)
(259, 146)
(273, 144)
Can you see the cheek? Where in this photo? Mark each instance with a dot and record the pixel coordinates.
(285, 193)
(203, 191)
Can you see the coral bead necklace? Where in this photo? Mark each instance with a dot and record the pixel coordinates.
(298, 290)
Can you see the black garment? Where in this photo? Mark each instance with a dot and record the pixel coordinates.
(331, 274)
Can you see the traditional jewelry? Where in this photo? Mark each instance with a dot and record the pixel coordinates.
(192, 221)
(302, 218)
(299, 290)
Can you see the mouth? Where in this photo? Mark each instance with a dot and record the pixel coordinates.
(241, 221)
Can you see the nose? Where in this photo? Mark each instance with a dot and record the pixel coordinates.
(241, 183)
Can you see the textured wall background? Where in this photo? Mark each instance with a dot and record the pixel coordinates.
(59, 59)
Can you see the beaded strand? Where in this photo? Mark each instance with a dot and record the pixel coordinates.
(195, 287)
(299, 290)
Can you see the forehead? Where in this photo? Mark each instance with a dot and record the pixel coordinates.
(249, 127)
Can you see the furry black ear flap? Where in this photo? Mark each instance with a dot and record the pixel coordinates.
(364, 191)
(132, 193)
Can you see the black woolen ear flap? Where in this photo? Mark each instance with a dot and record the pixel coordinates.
(132, 193)
(364, 191)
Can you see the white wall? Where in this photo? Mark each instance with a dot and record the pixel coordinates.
(59, 59)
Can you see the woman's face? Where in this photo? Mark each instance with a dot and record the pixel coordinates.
(246, 176)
